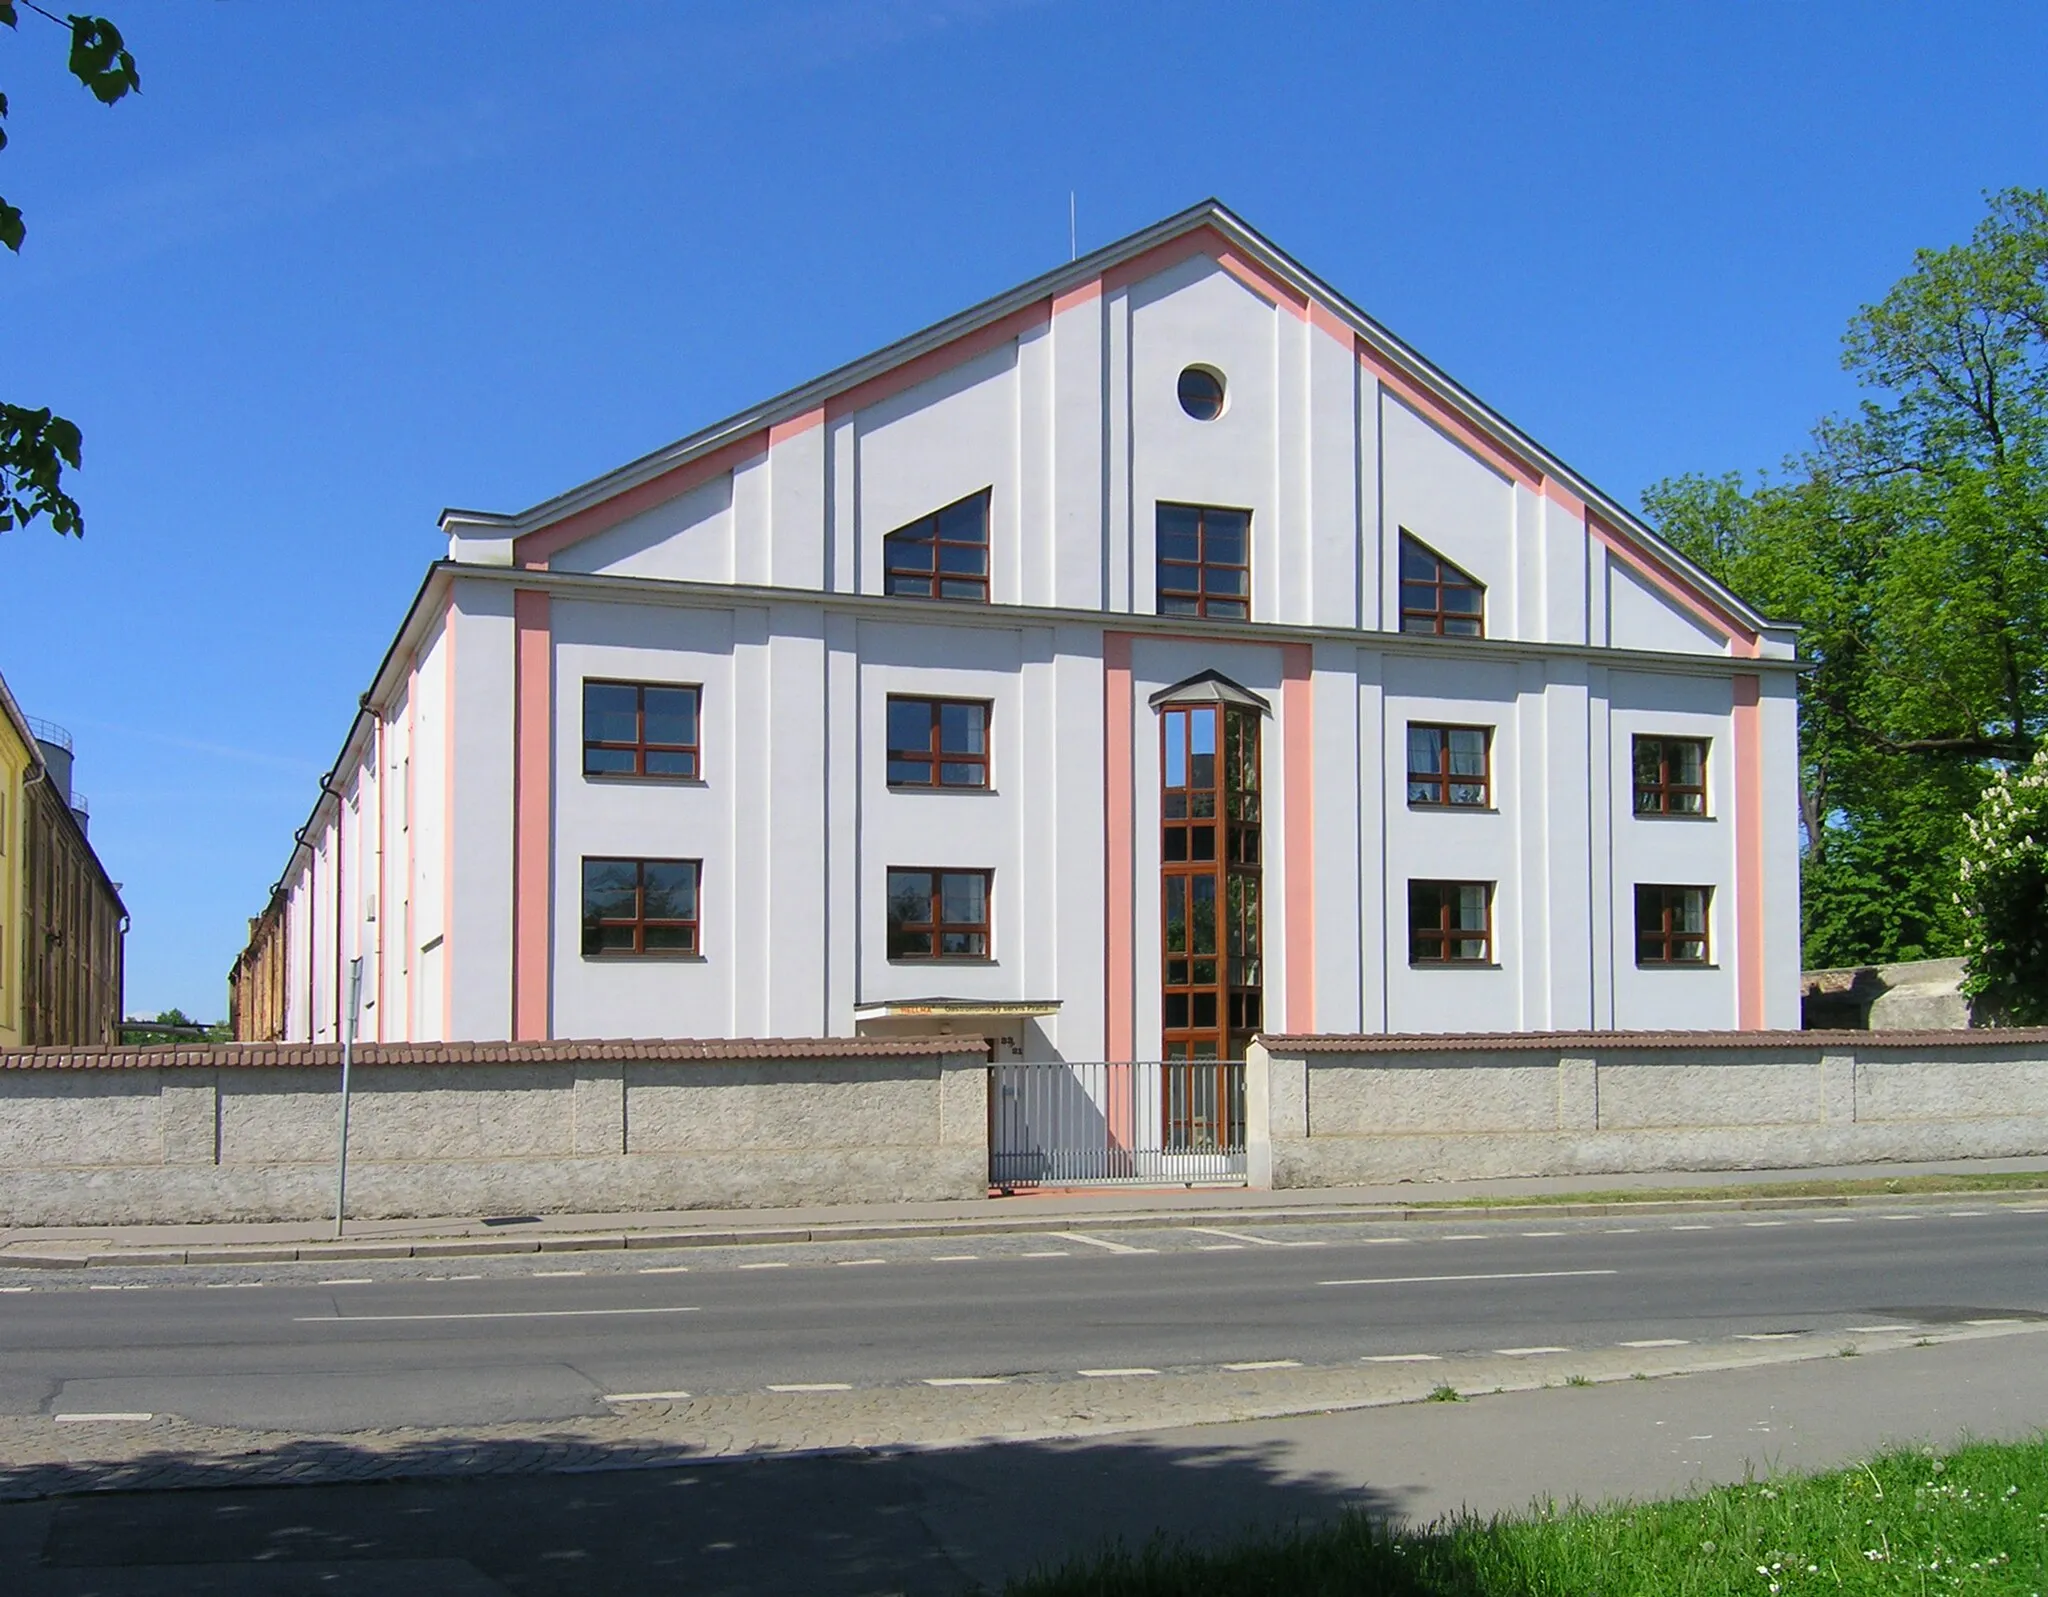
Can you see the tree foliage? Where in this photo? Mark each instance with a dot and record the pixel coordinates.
(1910, 542)
(35, 444)
(2004, 875)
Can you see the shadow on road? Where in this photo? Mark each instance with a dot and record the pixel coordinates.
(436, 1519)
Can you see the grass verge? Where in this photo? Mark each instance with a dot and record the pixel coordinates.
(1874, 1186)
(1973, 1521)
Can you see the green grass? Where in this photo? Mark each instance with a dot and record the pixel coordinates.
(1975, 1521)
(1876, 1186)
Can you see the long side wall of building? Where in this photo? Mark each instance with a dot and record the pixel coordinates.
(124, 1140)
(71, 930)
(1333, 1112)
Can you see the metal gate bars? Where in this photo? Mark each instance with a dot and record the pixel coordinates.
(1145, 1123)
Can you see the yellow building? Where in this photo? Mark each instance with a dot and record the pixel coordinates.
(19, 760)
(61, 917)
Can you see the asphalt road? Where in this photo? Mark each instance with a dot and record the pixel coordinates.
(552, 1337)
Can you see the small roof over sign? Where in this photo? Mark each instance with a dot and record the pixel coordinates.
(890, 1008)
(1209, 687)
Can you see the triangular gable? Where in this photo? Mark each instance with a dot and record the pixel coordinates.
(1206, 229)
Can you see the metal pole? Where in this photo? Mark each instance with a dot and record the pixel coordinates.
(348, 1038)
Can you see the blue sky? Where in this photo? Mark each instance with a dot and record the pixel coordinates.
(339, 266)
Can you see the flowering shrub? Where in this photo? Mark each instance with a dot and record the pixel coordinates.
(2004, 896)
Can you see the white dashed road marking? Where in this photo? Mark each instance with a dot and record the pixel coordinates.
(488, 1314)
(1402, 1358)
(1542, 1233)
(1760, 1225)
(1768, 1336)
(664, 1269)
(1872, 1330)
(645, 1397)
(967, 1380)
(849, 1263)
(349, 1280)
(1047, 1253)
(954, 1258)
(1527, 1352)
(1200, 1247)
(1265, 1364)
(1100, 1242)
(1836, 1219)
(1465, 1236)
(2006, 1320)
(1134, 1369)
(1692, 1228)
(777, 1264)
(1495, 1275)
(813, 1386)
(554, 1275)
(1656, 1341)
(101, 1419)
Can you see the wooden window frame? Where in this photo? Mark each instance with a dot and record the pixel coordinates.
(1663, 791)
(1201, 566)
(938, 926)
(936, 576)
(933, 756)
(1442, 778)
(640, 921)
(640, 748)
(1655, 943)
(1444, 935)
(1436, 615)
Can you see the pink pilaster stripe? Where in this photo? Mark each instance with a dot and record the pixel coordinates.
(532, 749)
(1298, 764)
(1749, 853)
(448, 819)
(1117, 799)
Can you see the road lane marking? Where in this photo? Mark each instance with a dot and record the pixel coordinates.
(1902, 1217)
(226, 1286)
(966, 1380)
(645, 1397)
(664, 1269)
(1760, 1225)
(1623, 1230)
(482, 1314)
(101, 1419)
(1966, 1214)
(554, 1275)
(955, 1258)
(1265, 1364)
(1836, 1219)
(776, 1264)
(1494, 1275)
(1871, 1330)
(1657, 1341)
(1402, 1358)
(813, 1386)
(1046, 1253)
(844, 1264)
(109, 1287)
(1200, 1247)
(1465, 1236)
(16, 1289)
(1101, 1242)
(1236, 1236)
(1768, 1336)
(1542, 1233)
(1692, 1228)
(2002, 1320)
(349, 1280)
(1527, 1352)
(1131, 1369)
(1377, 1242)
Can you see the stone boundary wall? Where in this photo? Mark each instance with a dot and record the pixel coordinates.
(1352, 1111)
(113, 1136)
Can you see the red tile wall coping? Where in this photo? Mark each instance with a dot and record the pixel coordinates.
(257, 1055)
(1637, 1041)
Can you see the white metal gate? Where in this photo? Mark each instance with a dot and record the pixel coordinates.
(1056, 1124)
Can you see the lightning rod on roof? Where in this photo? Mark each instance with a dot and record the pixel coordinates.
(1073, 238)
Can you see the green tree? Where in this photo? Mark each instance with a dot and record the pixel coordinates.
(2004, 871)
(1910, 542)
(35, 443)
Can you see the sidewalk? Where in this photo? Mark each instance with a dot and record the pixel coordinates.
(1098, 1208)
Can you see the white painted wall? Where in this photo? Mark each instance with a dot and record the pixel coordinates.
(1074, 426)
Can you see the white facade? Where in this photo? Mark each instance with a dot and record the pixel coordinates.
(748, 562)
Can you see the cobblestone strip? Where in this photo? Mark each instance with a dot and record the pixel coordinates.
(39, 1458)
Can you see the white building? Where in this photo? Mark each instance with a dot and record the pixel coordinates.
(692, 750)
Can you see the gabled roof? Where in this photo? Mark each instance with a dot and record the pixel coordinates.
(1207, 228)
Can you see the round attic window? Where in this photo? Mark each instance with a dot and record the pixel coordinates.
(1201, 392)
